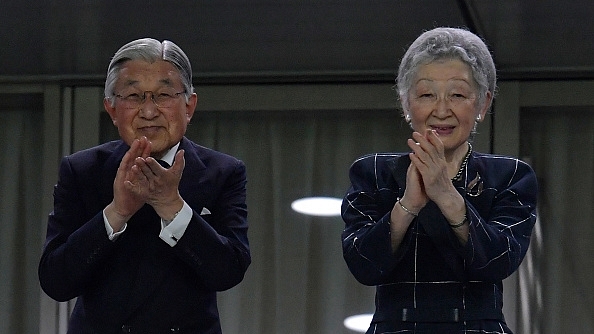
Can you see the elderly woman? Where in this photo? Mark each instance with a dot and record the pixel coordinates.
(436, 230)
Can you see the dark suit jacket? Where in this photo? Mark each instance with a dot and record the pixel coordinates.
(138, 283)
(433, 284)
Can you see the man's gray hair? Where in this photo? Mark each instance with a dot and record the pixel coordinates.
(149, 50)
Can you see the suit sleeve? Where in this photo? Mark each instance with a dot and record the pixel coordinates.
(499, 240)
(76, 246)
(216, 245)
(366, 242)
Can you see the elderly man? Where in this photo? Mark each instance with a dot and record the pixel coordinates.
(145, 230)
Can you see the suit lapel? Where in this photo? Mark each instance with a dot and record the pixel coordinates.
(110, 168)
(398, 166)
(193, 171)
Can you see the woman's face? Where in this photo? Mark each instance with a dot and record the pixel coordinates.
(443, 98)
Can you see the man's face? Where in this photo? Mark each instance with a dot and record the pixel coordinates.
(163, 123)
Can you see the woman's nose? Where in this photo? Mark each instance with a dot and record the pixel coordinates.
(442, 107)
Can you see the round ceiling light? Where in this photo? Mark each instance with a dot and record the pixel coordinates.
(318, 206)
(358, 323)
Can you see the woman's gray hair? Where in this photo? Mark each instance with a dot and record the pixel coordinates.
(149, 50)
(442, 44)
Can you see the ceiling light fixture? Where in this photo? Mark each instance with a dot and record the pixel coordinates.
(318, 206)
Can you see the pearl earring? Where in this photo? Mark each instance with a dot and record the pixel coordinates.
(478, 118)
(407, 118)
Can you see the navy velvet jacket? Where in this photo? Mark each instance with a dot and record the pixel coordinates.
(138, 283)
(432, 283)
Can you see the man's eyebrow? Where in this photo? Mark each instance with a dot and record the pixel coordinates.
(130, 82)
(166, 81)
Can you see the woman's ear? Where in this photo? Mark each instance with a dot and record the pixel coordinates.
(486, 105)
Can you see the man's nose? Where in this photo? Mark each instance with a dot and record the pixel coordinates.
(148, 109)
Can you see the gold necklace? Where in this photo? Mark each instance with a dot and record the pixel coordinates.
(463, 165)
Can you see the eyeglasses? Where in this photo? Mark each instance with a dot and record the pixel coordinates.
(161, 99)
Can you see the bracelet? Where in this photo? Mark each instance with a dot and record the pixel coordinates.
(416, 214)
(462, 222)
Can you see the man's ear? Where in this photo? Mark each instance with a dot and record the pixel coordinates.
(191, 106)
(107, 104)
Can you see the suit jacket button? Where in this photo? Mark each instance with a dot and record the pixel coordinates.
(174, 330)
(126, 329)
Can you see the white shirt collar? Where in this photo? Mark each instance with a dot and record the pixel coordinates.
(170, 155)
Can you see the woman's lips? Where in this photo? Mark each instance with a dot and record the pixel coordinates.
(443, 130)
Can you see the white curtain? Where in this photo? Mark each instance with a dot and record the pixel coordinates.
(560, 144)
(20, 211)
(298, 282)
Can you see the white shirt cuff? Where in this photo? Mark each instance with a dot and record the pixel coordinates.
(172, 231)
(110, 234)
